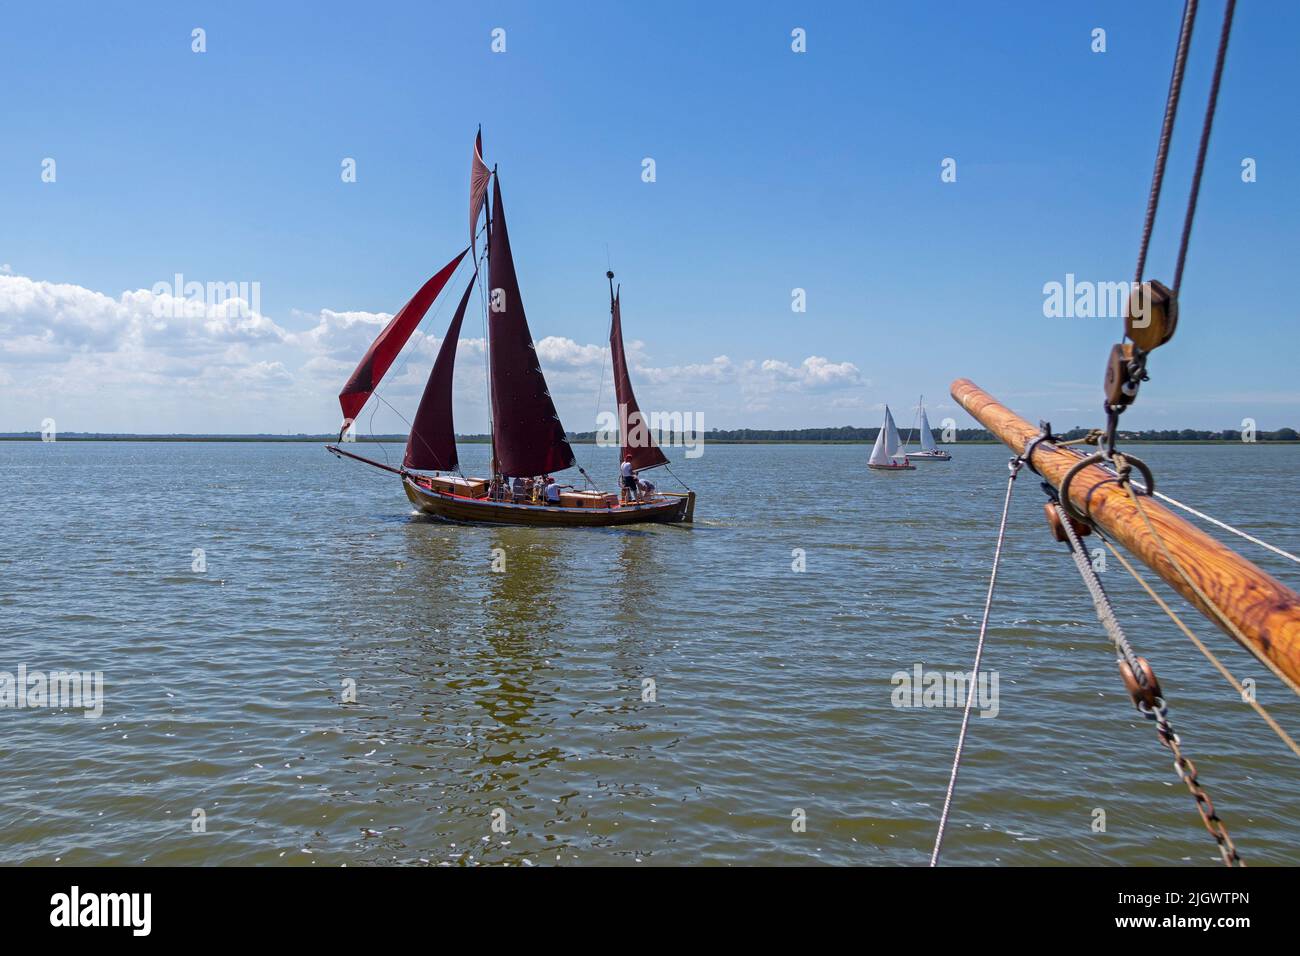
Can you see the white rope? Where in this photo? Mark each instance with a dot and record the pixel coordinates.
(1227, 527)
(979, 653)
(1215, 521)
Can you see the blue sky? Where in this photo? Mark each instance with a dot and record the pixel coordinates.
(775, 171)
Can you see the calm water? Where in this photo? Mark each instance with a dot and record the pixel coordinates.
(522, 691)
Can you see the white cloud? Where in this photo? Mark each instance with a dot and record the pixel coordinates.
(150, 362)
(814, 372)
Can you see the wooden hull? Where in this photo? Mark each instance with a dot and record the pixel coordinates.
(664, 508)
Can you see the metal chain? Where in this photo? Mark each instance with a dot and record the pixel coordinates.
(1187, 773)
(1156, 710)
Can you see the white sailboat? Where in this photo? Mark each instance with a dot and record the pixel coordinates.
(887, 454)
(929, 450)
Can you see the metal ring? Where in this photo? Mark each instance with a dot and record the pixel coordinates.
(1030, 445)
(1098, 458)
(1146, 472)
(1063, 493)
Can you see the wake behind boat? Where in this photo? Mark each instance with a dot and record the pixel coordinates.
(529, 443)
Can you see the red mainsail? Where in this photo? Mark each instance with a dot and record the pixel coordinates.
(432, 443)
(385, 348)
(634, 432)
(529, 438)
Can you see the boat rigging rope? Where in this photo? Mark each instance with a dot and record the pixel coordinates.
(1146, 693)
(1224, 620)
(1205, 142)
(1200, 646)
(1166, 133)
(1014, 466)
(1227, 527)
(1134, 367)
(1091, 438)
(674, 474)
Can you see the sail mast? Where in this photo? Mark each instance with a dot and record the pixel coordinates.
(529, 437)
(487, 337)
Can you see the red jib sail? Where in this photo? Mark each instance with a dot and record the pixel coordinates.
(528, 435)
(432, 444)
(633, 430)
(385, 348)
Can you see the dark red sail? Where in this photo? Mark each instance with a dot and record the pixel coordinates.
(384, 350)
(432, 444)
(634, 431)
(529, 439)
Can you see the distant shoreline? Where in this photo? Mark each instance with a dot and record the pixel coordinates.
(483, 440)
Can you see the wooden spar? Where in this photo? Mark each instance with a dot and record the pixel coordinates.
(335, 449)
(1265, 611)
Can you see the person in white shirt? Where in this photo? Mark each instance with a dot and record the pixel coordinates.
(552, 492)
(628, 491)
(645, 489)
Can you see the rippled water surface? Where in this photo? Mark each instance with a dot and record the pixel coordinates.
(522, 692)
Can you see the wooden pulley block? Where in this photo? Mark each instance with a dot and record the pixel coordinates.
(1054, 522)
(1152, 315)
(1118, 388)
(1151, 694)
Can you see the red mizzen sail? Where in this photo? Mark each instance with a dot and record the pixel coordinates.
(633, 430)
(478, 184)
(385, 348)
(432, 444)
(528, 434)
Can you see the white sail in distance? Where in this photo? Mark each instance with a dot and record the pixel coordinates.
(886, 449)
(927, 437)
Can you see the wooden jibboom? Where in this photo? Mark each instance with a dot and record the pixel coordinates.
(1265, 611)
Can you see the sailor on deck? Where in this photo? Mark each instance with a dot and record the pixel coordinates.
(629, 479)
(552, 491)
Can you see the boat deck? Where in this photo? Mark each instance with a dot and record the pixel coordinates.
(663, 507)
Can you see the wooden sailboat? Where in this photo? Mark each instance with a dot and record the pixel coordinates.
(528, 440)
(887, 453)
(929, 450)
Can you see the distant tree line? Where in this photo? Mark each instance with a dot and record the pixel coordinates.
(848, 433)
(845, 434)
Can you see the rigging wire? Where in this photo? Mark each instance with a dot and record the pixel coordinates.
(1166, 133)
(1014, 465)
(405, 356)
(1224, 620)
(1205, 142)
(1227, 527)
(1200, 646)
(1145, 691)
(1281, 552)
(600, 398)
